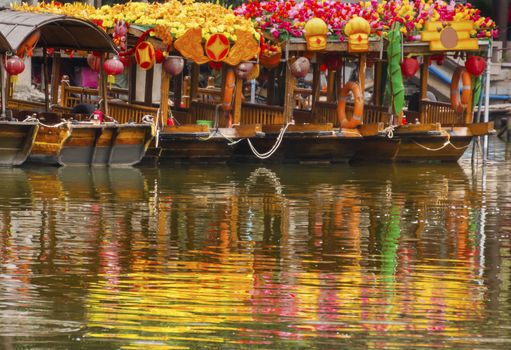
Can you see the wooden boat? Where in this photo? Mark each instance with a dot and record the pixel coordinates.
(16, 137)
(64, 138)
(437, 130)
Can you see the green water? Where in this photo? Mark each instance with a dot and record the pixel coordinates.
(252, 256)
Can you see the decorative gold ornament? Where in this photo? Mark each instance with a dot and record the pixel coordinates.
(315, 34)
(357, 29)
(453, 36)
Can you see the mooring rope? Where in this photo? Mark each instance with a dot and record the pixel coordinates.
(275, 146)
(446, 143)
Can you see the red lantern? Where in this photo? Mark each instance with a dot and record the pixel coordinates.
(244, 69)
(94, 62)
(113, 67)
(333, 62)
(173, 65)
(215, 65)
(14, 65)
(409, 67)
(475, 65)
(158, 56)
(145, 55)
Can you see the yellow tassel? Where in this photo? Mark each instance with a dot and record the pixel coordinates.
(111, 80)
(14, 79)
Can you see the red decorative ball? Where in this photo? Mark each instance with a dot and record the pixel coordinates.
(409, 67)
(173, 65)
(475, 65)
(94, 62)
(300, 68)
(113, 66)
(158, 56)
(14, 65)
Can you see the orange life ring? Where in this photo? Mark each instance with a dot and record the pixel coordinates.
(358, 110)
(460, 102)
(229, 86)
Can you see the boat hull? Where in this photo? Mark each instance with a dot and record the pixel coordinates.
(87, 144)
(16, 141)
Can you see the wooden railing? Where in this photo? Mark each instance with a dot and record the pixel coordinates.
(440, 112)
(326, 112)
(252, 113)
(202, 111)
(124, 112)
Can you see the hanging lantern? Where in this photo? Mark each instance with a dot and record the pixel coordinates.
(113, 67)
(145, 55)
(173, 65)
(244, 69)
(14, 66)
(158, 56)
(300, 68)
(409, 67)
(333, 62)
(94, 62)
(215, 65)
(475, 65)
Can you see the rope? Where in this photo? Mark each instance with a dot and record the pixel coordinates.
(389, 131)
(446, 143)
(275, 146)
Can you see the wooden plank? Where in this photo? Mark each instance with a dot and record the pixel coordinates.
(330, 88)
(417, 128)
(479, 129)
(300, 127)
(362, 73)
(193, 128)
(103, 85)
(371, 129)
(270, 99)
(248, 130)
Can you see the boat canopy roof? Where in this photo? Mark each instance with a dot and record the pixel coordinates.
(55, 31)
(4, 44)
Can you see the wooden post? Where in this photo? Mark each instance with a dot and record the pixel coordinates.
(316, 83)
(148, 96)
(424, 76)
(55, 78)
(362, 73)
(63, 83)
(132, 80)
(46, 83)
(103, 85)
(194, 83)
(238, 97)
(4, 88)
(378, 71)
(330, 88)
(164, 98)
(177, 86)
(289, 98)
(270, 88)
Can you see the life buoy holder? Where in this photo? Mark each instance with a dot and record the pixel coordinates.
(358, 110)
(460, 101)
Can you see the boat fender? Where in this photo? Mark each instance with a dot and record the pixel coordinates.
(358, 110)
(459, 102)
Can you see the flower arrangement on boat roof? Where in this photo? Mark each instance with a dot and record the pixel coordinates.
(176, 17)
(282, 19)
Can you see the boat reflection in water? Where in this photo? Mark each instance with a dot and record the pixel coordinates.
(190, 257)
